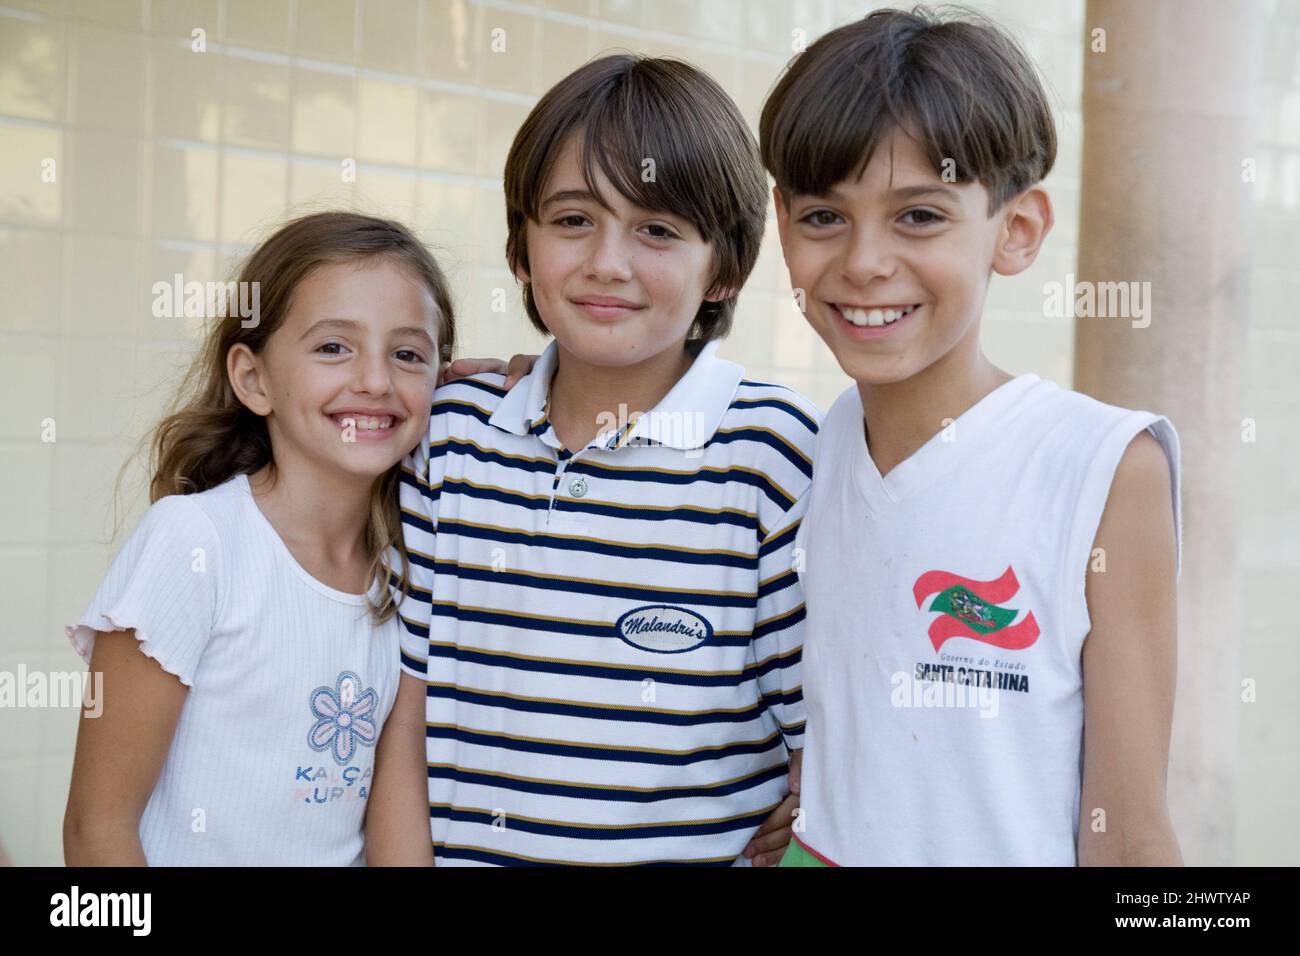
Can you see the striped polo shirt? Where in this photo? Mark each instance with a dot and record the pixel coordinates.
(610, 638)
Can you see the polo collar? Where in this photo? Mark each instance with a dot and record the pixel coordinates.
(686, 418)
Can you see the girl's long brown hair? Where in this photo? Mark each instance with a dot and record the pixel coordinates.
(211, 437)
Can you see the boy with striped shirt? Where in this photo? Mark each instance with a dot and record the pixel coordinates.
(603, 635)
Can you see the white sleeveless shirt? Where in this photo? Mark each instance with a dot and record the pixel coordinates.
(946, 619)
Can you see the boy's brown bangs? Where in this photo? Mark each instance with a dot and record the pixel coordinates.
(822, 142)
(826, 133)
(649, 156)
(962, 90)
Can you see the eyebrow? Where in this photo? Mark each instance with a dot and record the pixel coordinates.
(351, 324)
(574, 195)
(909, 192)
(926, 189)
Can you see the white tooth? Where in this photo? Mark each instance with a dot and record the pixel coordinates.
(892, 315)
(856, 316)
(875, 317)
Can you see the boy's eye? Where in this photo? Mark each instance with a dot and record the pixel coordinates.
(659, 231)
(924, 217)
(571, 221)
(821, 217)
(331, 348)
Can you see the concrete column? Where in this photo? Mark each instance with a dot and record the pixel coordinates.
(1167, 121)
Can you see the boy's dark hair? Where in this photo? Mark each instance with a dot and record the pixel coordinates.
(952, 79)
(625, 110)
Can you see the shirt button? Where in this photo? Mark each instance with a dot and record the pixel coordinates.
(578, 487)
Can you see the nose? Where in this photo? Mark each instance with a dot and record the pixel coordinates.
(607, 258)
(868, 257)
(373, 373)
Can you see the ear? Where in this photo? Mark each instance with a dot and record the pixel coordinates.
(246, 375)
(782, 212)
(1026, 221)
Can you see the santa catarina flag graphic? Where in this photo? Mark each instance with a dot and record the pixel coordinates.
(970, 608)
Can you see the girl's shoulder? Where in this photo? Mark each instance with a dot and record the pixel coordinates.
(216, 516)
(168, 582)
(208, 531)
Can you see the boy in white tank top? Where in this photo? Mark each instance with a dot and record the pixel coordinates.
(979, 547)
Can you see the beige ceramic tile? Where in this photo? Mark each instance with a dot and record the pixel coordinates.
(449, 131)
(390, 35)
(255, 107)
(386, 121)
(103, 172)
(107, 76)
(32, 69)
(31, 280)
(33, 173)
(450, 49)
(506, 40)
(184, 193)
(318, 186)
(253, 196)
(326, 29)
(186, 91)
(258, 23)
(104, 300)
(324, 115)
(564, 48)
(183, 17)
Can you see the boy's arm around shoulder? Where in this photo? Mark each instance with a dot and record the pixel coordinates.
(1129, 670)
(778, 639)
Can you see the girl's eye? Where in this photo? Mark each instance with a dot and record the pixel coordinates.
(927, 216)
(406, 355)
(658, 231)
(820, 217)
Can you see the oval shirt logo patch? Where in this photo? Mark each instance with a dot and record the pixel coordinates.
(663, 629)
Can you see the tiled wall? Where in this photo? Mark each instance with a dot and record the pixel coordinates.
(126, 156)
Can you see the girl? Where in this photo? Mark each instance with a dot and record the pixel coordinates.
(246, 632)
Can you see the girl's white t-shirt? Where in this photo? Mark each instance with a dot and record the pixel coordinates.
(290, 682)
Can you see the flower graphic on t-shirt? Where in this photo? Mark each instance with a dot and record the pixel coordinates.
(343, 717)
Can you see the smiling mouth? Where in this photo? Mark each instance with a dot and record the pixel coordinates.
(366, 426)
(874, 317)
(606, 309)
